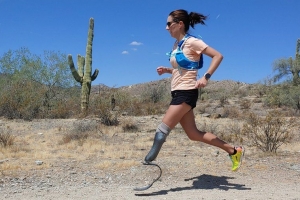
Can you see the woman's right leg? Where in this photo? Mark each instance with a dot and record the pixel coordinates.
(189, 125)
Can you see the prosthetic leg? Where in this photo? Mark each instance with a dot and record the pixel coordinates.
(161, 134)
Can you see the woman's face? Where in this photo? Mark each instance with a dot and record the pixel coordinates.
(172, 27)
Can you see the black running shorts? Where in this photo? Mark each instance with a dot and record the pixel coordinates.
(189, 97)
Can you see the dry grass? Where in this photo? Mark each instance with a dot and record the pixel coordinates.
(109, 143)
(6, 138)
(121, 146)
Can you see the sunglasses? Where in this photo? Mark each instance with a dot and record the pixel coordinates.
(170, 23)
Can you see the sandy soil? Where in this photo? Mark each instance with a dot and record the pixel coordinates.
(191, 170)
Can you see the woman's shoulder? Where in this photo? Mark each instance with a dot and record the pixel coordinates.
(196, 43)
(192, 39)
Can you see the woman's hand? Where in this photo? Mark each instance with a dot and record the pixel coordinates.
(161, 70)
(201, 83)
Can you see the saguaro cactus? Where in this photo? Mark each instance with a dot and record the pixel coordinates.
(289, 67)
(298, 51)
(296, 75)
(84, 73)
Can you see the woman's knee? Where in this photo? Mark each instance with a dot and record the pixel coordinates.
(191, 137)
(195, 135)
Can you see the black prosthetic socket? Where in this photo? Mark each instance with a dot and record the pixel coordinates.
(159, 139)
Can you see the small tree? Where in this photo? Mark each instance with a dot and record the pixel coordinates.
(31, 85)
(288, 67)
(268, 133)
(283, 95)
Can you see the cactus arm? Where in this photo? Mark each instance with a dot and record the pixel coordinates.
(80, 64)
(75, 74)
(95, 74)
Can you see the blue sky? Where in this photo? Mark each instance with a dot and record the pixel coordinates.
(130, 40)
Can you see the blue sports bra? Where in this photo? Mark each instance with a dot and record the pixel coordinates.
(182, 60)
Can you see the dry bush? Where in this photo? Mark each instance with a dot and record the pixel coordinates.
(6, 138)
(270, 132)
(154, 94)
(64, 104)
(102, 108)
(223, 100)
(231, 112)
(257, 100)
(242, 92)
(232, 132)
(206, 126)
(245, 104)
(80, 132)
(154, 108)
(201, 108)
(64, 109)
(203, 95)
(128, 125)
(139, 108)
(135, 109)
(20, 100)
(30, 100)
(108, 118)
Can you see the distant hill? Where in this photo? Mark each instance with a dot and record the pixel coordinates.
(224, 85)
(99, 87)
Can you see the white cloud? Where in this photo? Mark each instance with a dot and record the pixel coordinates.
(135, 43)
(125, 52)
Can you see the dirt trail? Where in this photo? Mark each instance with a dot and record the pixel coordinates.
(190, 171)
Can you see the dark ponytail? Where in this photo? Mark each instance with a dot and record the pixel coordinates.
(196, 18)
(188, 19)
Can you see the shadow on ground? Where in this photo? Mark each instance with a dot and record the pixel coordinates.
(206, 182)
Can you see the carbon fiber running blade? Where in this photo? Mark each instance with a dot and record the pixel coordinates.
(143, 188)
(148, 186)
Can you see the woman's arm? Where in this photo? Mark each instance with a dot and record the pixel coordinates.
(217, 58)
(161, 70)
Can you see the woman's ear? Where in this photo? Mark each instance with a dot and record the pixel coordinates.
(181, 23)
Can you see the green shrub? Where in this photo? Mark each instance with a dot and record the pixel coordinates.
(270, 132)
(283, 95)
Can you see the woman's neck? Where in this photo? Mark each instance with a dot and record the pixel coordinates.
(180, 37)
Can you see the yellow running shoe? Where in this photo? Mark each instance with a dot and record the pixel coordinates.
(237, 158)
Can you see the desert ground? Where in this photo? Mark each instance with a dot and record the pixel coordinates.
(43, 165)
